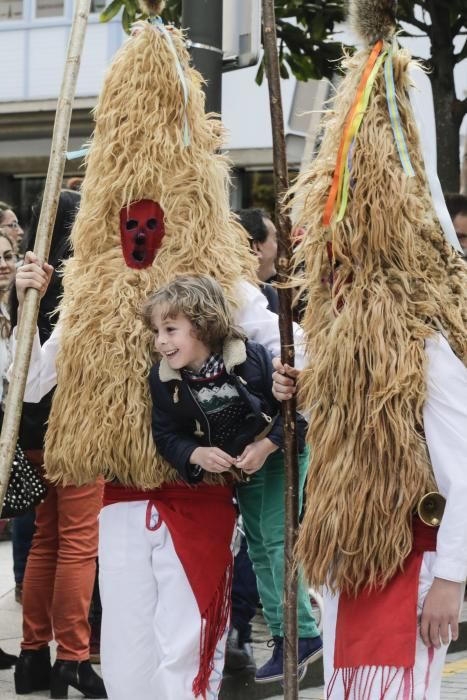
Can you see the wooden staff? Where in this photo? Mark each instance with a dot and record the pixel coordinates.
(27, 326)
(281, 185)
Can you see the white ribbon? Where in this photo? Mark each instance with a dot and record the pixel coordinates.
(158, 22)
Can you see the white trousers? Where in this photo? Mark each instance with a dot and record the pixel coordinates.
(428, 664)
(151, 624)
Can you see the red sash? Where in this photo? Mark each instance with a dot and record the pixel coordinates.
(378, 628)
(200, 520)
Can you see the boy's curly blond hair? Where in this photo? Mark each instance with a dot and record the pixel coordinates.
(201, 300)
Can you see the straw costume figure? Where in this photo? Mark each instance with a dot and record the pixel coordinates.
(154, 205)
(386, 334)
(152, 163)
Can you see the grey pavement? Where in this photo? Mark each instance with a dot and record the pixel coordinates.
(454, 685)
(10, 628)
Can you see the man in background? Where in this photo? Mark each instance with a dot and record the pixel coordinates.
(457, 207)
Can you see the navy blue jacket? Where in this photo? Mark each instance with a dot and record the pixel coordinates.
(179, 424)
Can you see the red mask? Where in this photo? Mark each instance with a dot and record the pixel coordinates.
(141, 232)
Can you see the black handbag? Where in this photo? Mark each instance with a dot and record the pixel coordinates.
(26, 488)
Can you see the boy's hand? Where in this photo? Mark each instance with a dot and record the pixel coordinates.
(32, 274)
(283, 380)
(212, 459)
(254, 455)
(441, 612)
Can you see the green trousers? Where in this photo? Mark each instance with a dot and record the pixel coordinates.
(262, 505)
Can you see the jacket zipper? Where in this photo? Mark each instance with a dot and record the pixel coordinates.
(202, 412)
(240, 385)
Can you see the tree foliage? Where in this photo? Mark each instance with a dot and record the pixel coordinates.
(131, 12)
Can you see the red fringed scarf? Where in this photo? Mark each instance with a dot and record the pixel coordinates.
(370, 638)
(200, 520)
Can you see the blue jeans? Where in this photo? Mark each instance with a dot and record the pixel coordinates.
(244, 594)
(22, 531)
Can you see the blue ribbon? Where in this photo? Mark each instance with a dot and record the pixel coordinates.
(158, 22)
(395, 118)
(72, 155)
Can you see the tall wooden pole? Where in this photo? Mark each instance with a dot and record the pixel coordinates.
(281, 185)
(27, 327)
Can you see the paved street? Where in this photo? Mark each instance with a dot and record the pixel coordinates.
(454, 680)
(10, 627)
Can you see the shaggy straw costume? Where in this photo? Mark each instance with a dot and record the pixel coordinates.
(395, 283)
(366, 383)
(100, 421)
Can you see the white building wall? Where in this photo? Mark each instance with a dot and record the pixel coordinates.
(32, 54)
(13, 61)
(245, 108)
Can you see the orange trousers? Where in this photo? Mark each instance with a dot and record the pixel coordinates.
(60, 571)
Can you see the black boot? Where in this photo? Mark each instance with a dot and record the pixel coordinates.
(78, 674)
(32, 671)
(7, 660)
(238, 654)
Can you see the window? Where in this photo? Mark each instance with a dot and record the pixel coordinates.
(11, 9)
(49, 8)
(98, 5)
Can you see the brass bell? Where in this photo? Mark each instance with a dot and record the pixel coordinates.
(431, 508)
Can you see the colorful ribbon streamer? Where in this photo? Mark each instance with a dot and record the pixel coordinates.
(158, 22)
(338, 194)
(395, 118)
(352, 133)
(339, 170)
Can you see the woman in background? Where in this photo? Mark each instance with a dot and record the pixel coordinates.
(9, 221)
(7, 276)
(61, 567)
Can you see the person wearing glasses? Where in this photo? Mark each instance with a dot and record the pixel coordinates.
(60, 571)
(9, 221)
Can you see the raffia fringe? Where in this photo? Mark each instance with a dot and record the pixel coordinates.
(372, 683)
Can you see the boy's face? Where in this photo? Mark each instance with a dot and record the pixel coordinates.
(176, 340)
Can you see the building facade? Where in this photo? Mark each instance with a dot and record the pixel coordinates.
(33, 41)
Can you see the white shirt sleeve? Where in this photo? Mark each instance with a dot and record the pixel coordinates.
(445, 423)
(42, 374)
(262, 325)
